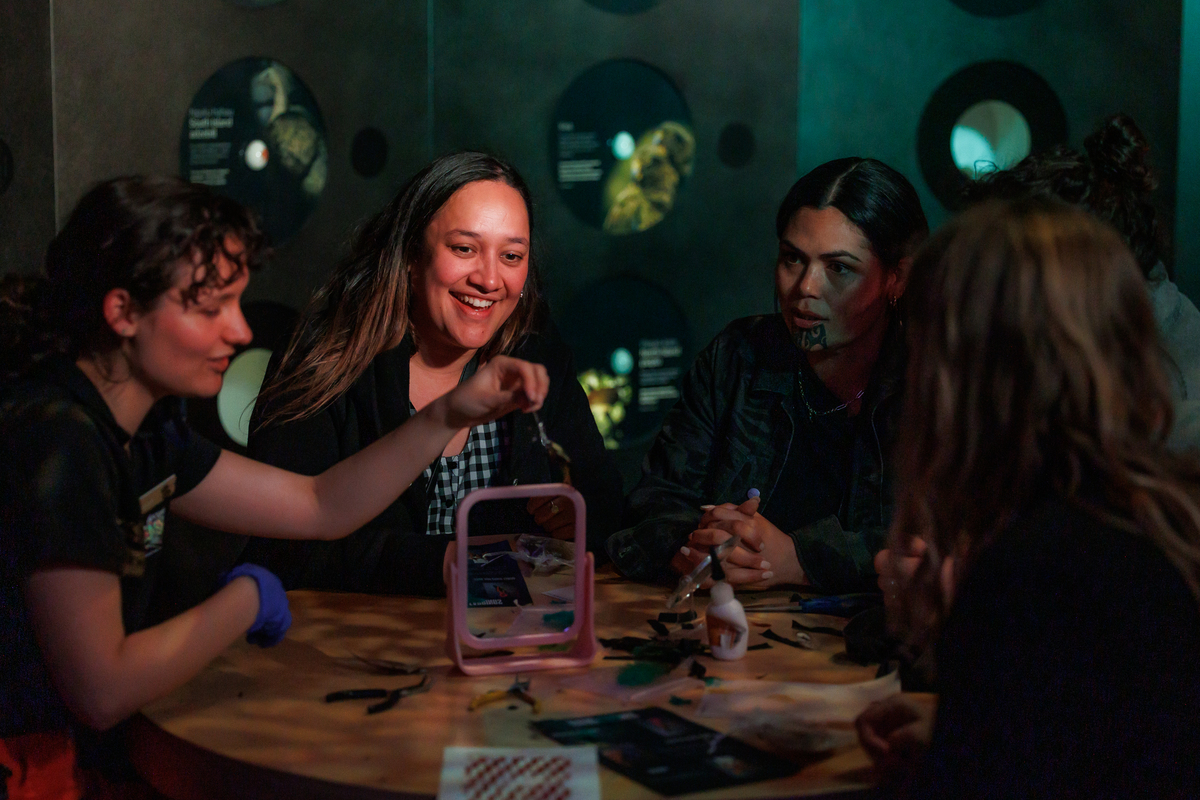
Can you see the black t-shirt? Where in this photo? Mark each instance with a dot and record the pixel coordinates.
(76, 489)
(815, 479)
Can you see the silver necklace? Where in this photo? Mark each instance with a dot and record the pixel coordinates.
(812, 412)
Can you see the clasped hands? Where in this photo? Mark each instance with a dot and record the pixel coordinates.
(765, 556)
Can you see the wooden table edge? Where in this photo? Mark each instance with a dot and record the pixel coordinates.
(185, 771)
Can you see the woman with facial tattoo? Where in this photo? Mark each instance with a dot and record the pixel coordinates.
(795, 408)
(437, 285)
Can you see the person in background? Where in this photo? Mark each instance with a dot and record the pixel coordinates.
(139, 306)
(1112, 178)
(1060, 568)
(797, 406)
(438, 284)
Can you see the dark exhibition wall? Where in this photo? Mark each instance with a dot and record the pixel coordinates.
(915, 67)
(658, 136)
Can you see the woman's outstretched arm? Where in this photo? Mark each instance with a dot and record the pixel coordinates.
(244, 496)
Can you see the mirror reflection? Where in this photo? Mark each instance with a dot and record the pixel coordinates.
(519, 580)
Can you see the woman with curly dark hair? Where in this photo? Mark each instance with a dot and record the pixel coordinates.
(1060, 576)
(139, 306)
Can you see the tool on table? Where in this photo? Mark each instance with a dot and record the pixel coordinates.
(386, 666)
(689, 583)
(554, 451)
(836, 605)
(388, 699)
(519, 690)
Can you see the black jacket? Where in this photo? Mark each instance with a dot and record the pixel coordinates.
(392, 554)
(732, 429)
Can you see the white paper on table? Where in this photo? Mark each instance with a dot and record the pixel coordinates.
(817, 702)
(566, 594)
(534, 773)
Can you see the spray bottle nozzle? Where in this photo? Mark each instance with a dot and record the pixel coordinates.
(691, 582)
(718, 569)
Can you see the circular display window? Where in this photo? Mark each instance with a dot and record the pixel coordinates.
(239, 391)
(621, 146)
(255, 133)
(225, 419)
(630, 338)
(996, 8)
(985, 109)
(624, 6)
(988, 136)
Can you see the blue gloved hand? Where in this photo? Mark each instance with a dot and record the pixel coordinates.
(273, 618)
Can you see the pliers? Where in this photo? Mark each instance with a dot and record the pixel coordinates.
(387, 699)
(519, 690)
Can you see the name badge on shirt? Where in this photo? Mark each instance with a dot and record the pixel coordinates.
(146, 535)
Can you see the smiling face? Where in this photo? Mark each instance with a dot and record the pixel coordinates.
(476, 262)
(832, 289)
(181, 346)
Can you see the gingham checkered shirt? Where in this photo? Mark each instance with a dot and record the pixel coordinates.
(451, 478)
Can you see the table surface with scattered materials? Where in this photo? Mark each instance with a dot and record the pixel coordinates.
(255, 722)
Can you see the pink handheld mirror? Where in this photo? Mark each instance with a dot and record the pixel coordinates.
(528, 593)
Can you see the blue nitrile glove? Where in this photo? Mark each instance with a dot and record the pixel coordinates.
(273, 618)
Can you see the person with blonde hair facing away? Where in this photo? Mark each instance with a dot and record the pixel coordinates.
(1060, 575)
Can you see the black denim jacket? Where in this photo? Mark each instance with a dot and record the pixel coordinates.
(731, 430)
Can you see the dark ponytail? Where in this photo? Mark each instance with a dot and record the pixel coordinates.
(1120, 159)
(129, 233)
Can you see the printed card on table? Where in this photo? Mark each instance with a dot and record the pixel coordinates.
(515, 773)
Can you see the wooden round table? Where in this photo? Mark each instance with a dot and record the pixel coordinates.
(254, 723)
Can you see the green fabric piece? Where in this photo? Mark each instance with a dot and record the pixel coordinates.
(641, 673)
(559, 620)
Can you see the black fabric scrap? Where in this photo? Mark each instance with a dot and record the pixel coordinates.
(626, 643)
(658, 627)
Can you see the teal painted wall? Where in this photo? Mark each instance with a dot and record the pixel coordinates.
(1187, 209)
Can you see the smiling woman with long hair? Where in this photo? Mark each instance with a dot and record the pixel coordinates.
(1061, 538)
(440, 282)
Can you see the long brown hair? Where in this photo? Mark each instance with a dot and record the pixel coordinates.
(1033, 366)
(364, 308)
